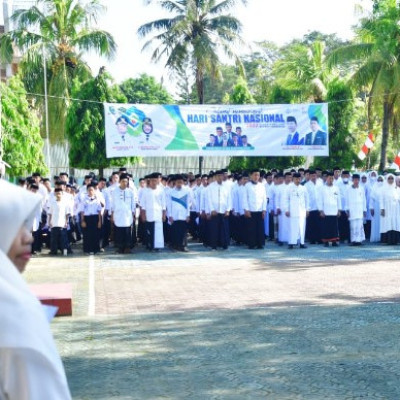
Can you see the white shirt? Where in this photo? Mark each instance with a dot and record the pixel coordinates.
(356, 202)
(154, 203)
(91, 206)
(219, 198)
(178, 203)
(328, 199)
(59, 211)
(122, 207)
(312, 194)
(296, 201)
(254, 197)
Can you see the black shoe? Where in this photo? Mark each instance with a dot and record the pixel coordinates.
(334, 244)
(251, 247)
(303, 246)
(260, 247)
(312, 242)
(280, 243)
(290, 247)
(326, 244)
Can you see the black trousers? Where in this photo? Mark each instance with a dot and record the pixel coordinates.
(234, 227)
(392, 237)
(106, 230)
(255, 230)
(134, 235)
(123, 237)
(313, 226)
(218, 228)
(193, 227)
(271, 225)
(149, 228)
(58, 239)
(178, 237)
(91, 234)
(203, 230)
(344, 227)
(37, 240)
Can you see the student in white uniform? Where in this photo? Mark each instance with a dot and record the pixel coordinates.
(356, 208)
(30, 367)
(153, 210)
(219, 202)
(178, 211)
(123, 209)
(375, 209)
(255, 206)
(91, 220)
(296, 208)
(329, 204)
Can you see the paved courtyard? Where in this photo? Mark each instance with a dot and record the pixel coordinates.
(239, 324)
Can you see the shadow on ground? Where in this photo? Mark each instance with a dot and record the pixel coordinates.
(349, 352)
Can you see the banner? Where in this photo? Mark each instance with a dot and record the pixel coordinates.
(216, 130)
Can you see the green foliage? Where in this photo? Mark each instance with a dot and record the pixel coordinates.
(240, 93)
(194, 34)
(145, 90)
(85, 123)
(61, 34)
(342, 141)
(22, 146)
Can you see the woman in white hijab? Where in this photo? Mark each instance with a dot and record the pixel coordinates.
(389, 202)
(375, 209)
(30, 367)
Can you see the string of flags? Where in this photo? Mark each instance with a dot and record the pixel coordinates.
(368, 144)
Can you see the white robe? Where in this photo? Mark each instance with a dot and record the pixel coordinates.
(296, 202)
(389, 201)
(356, 205)
(283, 220)
(30, 367)
(375, 220)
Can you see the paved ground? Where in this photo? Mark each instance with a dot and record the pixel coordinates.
(240, 324)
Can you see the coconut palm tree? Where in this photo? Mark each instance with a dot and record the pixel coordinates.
(374, 59)
(197, 32)
(57, 31)
(303, 70)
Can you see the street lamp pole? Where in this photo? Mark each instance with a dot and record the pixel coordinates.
(46, 111)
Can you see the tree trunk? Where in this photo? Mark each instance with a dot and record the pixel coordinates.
(101, 172)
(387, 112)
(200, 85)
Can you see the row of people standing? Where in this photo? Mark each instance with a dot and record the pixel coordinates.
(317, 206)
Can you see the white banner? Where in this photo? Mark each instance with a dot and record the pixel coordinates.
(216, 130)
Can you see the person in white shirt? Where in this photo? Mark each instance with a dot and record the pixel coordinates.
(344, 225)
(91, 220)
(283, 220)
(201, 214)
(356, 208)
(219, 204)
(153, 212)
(329, 204)
(123, 209)
(178, 211)
(389, 202)
(59, 212)
(255, 206)
(296, 208)
(313, 228)
(30, 366)
(36, 228)
(375, 209)
(108, 227)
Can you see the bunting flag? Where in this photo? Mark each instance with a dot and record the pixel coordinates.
(397, 160)
(369, 143)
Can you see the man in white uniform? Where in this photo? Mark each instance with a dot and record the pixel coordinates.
(356, 208)
(296, 208)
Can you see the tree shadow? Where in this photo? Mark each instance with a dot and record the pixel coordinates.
(283, 353)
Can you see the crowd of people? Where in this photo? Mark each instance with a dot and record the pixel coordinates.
(217, 209)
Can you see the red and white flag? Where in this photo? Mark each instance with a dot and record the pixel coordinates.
(396, 162)
(369, 143)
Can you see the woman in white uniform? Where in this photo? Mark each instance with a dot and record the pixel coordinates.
(30, 367)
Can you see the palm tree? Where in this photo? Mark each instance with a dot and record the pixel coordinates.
(303, 70)
(55, 32)
(375, 61)
(197, 32)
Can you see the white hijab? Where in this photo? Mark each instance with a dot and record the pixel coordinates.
(22, 321)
